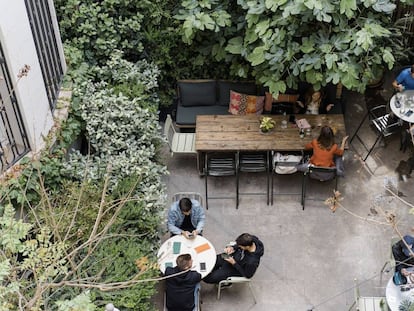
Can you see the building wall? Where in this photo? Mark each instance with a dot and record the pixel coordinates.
(19, 49)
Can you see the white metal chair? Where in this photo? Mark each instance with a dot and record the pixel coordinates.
(191, 195)
(235, 280)
(284, 165)
(368, 303)
(180, 143)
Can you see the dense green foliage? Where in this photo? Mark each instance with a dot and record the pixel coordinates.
(283, 42)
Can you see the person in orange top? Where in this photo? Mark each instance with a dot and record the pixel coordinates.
(325, 152)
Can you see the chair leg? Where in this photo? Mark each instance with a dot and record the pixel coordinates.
(303, 191)
(267, 188)
(271, 189)
(237, 189)
(218, 291)
(254, 296)
(373, 146)
(206, 190)
(359, 126)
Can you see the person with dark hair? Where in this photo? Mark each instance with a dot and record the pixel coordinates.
(403, 255)
(182, 288)
(186, 217)
(241, 259)
(326, 152)
(313, 102)
(405, 80)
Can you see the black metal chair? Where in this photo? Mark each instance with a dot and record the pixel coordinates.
(320, 173)
(284, 165)
(254, 162)
(217, 165)
(385, 125)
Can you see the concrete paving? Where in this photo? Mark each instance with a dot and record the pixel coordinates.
(312, 257)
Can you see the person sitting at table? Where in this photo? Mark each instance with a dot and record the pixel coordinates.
(405, 80)
(186, 217)
(326, 152)
(183, 287)
(242, 259)
(402, 255)
(313, 102)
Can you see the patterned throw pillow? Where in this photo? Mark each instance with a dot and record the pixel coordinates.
(242, 104)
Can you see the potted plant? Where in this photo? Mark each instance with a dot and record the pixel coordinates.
(266, 124)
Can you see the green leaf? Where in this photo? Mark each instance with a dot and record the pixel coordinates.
(364, 39)
(235, 45)
(206, 21)
(388, 57)
(307, 45)
(330, 60)
(348, 7)
(262, 27)
(257, 56)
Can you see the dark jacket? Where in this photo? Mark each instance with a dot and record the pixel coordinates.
(246, 262)
(180, 289)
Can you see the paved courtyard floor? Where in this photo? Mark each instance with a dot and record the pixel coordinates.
(313, 258)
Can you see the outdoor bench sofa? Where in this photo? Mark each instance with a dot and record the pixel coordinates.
(210, 97)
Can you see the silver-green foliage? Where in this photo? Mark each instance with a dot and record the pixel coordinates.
(284, 41)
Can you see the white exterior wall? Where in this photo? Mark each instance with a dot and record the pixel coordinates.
(19, 49)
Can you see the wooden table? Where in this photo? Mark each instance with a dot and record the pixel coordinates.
(228, 133)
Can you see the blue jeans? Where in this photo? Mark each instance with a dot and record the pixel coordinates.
(196, 296)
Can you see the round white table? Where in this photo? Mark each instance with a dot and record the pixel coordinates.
(404, 103)
(395, 296)
(200, 249)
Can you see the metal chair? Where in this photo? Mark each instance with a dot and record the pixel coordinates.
(284, 165)
(180, 143)
(318, 173)
(383, 123)
(363, 303)
(218, 165)
(191, 195)
(234, 280)
(256, 162)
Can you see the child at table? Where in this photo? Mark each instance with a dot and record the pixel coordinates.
(326, 152)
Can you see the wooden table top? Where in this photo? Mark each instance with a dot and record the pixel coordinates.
(234, 133)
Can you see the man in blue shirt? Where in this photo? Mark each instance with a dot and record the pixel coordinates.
(186, 217)
(405, 80)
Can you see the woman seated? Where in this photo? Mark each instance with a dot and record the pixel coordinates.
(326, 152)
(313, 102)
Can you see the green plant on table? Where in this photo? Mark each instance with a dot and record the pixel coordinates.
(266, 124)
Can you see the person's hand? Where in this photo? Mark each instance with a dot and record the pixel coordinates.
(230, 260)
(329, 107)
(300, 103)
(345, 139)
(229, 250)
(404, 272)
(400, 87)
(185, 234)
(194, 233)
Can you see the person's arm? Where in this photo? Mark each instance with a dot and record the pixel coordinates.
(344, 142)
(199, 216)
(397, 86)
(172, 219)
(248, 269)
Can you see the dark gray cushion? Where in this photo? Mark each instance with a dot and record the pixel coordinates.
(197, 93)
(186, 116)
(224, 87)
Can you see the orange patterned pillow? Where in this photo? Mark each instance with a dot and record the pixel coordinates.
(242, 104)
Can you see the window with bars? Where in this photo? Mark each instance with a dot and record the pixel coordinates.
(13, 138)
(44, 36)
